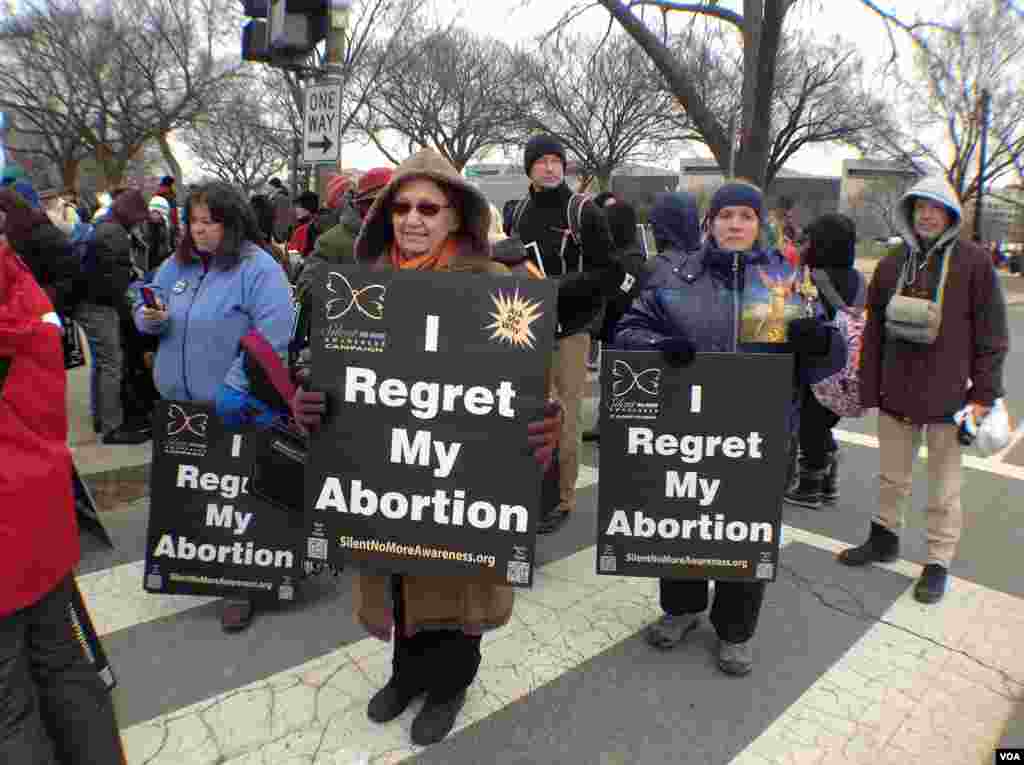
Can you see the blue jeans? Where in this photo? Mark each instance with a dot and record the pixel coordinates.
(53, 706)
(102, 327)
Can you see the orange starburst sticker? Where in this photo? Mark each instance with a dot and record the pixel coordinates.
(513, 316)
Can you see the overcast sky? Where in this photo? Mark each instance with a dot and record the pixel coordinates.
(516, 23)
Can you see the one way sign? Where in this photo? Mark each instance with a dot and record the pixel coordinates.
(321, 140)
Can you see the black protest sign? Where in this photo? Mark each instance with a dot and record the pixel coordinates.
(207, 534)
(693, 463)
(422, 465)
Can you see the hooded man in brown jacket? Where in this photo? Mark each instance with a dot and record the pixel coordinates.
(918, 386)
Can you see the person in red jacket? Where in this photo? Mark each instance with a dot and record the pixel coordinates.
(48, 688)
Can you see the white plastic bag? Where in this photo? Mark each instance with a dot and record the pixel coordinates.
(993, 433)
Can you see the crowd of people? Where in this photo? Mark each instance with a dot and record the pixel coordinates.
(232, 266)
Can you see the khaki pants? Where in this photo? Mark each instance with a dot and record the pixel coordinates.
(569, 378)
(898, 447)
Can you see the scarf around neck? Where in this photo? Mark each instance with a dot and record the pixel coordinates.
(437, 262)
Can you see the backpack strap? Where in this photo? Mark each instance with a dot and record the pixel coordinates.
(574, 216)
(824, 284)
(517, 215)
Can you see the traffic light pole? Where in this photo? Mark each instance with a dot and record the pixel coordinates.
(979, 200)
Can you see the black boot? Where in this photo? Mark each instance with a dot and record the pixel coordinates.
(390, 701)
(807, 490)
(830, 486)
(882, 546)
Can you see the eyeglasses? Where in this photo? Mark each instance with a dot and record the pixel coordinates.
(425, 209)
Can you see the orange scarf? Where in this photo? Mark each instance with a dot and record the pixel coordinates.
(439, 262)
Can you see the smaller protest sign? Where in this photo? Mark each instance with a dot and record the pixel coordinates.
(207, 534)
(693, 463)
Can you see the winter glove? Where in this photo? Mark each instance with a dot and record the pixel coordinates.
(236, 408)
(543, 435)
(309, 408)
(809, 336)
(678, 351)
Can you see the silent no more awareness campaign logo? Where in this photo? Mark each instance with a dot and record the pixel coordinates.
(635, 394)
(514, 317)
(357, 303)
(186, 432)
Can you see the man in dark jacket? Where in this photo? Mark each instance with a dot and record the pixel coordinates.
(918, 386)
(103, 289)
(580, 258)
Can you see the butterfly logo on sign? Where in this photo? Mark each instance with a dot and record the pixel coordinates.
(182, 421)
(626, 380)
(368, 300)
(186, 433)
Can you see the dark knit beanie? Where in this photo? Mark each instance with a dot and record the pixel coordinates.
(832, 241)
(539, 146)
(308, 200)
(737, 195)
(167, 180)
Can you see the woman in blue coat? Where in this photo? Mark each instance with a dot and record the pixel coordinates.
(691, 304)
(220, 285)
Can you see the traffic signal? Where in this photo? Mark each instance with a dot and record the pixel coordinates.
(296, 26)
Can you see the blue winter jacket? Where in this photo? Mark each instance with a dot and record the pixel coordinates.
(210, 309)
(697, 295)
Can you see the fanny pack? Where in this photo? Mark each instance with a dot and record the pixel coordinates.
(916, 320)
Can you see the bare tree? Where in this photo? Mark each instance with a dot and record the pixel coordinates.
(241, 140)
(445, 88)
(760, 26)
(943, 125)
(123, 75)
(602, 100)
(820, 93)
(874, 207)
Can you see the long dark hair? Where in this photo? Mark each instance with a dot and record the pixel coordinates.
(228, 207)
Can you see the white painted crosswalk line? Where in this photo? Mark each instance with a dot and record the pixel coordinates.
(891, 684)
(117, 601)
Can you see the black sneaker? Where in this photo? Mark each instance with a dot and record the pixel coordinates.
(436, 719)
(882, 547)
(552, 520)
(122, 435)
(807, 490)
(932, 585)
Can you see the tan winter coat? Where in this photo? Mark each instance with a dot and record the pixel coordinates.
(431, 602)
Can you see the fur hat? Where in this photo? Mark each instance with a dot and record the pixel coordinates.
(540, 146)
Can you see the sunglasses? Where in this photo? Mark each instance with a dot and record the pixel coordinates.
(425, 209)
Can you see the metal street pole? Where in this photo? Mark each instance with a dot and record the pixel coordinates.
(979, 201)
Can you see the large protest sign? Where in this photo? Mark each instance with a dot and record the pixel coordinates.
(693, 465)
(422, 465)
(207, 534)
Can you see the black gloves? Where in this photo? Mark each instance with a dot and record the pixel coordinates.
(809, 336)
(678, 351)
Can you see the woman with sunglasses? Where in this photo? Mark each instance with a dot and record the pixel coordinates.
(221, 285)
(429, 218)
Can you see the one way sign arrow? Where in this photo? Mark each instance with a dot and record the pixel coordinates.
(324, 145)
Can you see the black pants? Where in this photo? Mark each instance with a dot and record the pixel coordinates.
(440, 662)
(138, 391)
(816, 440)
(735, 610)
(51, 699)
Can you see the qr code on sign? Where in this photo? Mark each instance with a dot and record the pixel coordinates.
(765, 570)
(518, 572)
(316, 548)
(608, 563)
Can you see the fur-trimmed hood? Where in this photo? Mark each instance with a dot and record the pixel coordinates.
(377, 233)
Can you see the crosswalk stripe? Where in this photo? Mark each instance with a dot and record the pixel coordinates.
(993, 464)
(117, 601)
(905, 682)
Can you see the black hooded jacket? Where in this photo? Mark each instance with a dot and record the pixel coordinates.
(582, 290)
(832, 242)
(676, 221)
